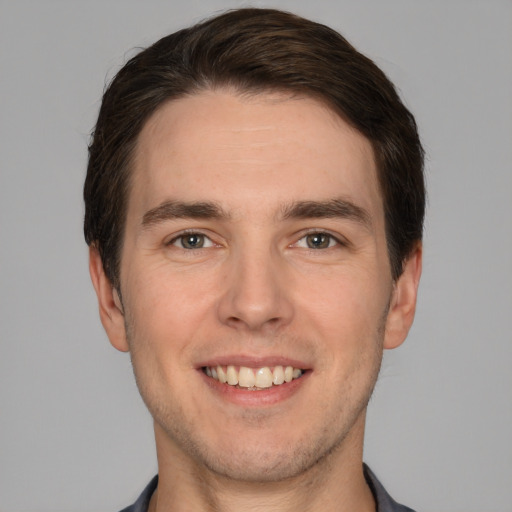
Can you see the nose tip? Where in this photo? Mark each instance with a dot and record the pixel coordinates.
(253, 319)
(254, 297)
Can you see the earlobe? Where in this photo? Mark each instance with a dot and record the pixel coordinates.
(403, 300)
(109, 302)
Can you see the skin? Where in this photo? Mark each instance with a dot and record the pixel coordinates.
(257, 293)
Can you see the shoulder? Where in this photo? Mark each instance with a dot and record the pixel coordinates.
(142, 503)
(385, 503)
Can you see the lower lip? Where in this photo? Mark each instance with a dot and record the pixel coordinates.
(255, 398)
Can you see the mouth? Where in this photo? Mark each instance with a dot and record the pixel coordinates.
(253, 379)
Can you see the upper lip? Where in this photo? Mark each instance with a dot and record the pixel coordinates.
(253, 361)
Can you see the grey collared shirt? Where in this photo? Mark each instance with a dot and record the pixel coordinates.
(384, 502)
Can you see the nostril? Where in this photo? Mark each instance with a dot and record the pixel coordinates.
(253, 324)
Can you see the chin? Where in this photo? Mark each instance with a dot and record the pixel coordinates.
(263, 467)
(269, 459)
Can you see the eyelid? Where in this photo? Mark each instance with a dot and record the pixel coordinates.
(338, 239)
(191, 231)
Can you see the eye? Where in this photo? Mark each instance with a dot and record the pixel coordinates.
(191, 241)
(317, 240)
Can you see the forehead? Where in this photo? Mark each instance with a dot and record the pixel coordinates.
(251, 150)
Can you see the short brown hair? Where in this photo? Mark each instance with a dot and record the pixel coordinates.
(254, 50)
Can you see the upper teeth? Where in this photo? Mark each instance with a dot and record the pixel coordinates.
(253, 377)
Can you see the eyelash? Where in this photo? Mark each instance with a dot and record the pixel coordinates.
(333, 241)
(182, 236)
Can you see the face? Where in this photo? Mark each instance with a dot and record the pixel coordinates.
(255, 282)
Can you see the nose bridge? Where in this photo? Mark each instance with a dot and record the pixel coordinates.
(254, 296)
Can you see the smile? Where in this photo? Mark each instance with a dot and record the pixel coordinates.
(253, 378)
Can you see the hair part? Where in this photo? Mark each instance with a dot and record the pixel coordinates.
(254, 51)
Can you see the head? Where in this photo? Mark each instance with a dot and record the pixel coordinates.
(254, 51)
(254, 201)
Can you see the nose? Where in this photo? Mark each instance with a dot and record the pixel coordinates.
(256, 292)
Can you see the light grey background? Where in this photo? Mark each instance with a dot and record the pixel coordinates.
(74, 434)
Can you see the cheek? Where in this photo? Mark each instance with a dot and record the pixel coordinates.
(347, 319)
(166, 312)
(159, 290)
(347, 300)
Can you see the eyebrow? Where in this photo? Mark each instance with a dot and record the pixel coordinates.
(170, 209)
(333, 208)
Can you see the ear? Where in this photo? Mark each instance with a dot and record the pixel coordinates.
(111, 309)
(403, 300)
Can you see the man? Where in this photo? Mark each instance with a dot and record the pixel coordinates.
(254, 209)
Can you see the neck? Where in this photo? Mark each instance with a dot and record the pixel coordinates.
(334, 483)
